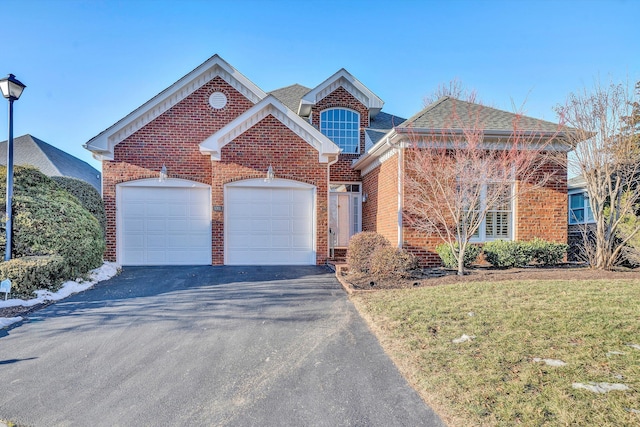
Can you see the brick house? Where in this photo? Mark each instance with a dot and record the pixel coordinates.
(213, 170)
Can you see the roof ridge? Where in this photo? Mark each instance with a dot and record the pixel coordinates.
(287, 87)
(425, 110)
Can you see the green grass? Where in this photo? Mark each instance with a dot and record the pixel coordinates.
(492, 380)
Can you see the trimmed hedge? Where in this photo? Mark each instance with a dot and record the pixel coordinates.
(87, 195)
(388, 261)
(547, 253)
(47, 220)
(361, 248)
(507, 254)
(449, 261)
(29, 274)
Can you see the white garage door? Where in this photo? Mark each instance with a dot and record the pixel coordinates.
(269, 223)
(166, 223)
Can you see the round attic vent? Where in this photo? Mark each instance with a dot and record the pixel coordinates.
(218, 100)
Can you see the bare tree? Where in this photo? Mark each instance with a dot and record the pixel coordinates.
(454, 89)
(457, 177)
(608, 159)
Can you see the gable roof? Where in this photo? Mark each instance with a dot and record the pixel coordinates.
(454, 116)
(103, 144)
(51, 161)
(344, 79)
(451, 113)
(291, 95)
(327, 150)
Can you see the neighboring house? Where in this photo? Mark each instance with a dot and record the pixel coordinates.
(213, 170)
(580, 216)
(51, 161)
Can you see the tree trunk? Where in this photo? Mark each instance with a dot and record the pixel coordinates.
(461, 262)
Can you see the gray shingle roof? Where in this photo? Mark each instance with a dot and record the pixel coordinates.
(381, 124)
(451, 113)
(291, 95)
(51, 161)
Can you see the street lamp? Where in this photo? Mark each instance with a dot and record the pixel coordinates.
(11, 89)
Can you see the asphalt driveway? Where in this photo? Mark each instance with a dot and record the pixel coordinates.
(203, 346)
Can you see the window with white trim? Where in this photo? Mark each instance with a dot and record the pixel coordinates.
(579, 208)
(342, 126)
(498, 222)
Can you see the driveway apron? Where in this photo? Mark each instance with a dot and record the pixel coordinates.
(204, 346)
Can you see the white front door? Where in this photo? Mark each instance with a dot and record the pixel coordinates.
(344, 213)
(269, 223)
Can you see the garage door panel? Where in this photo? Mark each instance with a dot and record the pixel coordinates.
(135, 241)
(177, 210)
(178, 225)
(240, 225)
(280, 242)
(299, 226)
(164, 225)
(266, 225)
(298, 241)
(279, 225)
(281, 211)
(155, 241)
(259, 226)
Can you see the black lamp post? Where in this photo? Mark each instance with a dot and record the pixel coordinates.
(11, 89)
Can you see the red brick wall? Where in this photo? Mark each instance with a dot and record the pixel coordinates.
(171, 139)
(270, 142)
(543, 212)
(341, 171)
(539, 213)
(380, 212)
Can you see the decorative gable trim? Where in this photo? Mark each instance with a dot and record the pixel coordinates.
(352, 85)
(327, 150)
(103, 144)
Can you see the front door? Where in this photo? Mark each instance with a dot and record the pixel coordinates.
(344, 213)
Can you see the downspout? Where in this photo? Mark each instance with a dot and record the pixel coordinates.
(400, 192)
(328, 198)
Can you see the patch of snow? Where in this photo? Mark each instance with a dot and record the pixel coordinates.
(550, 362)
(636, 346)
(471, 314)
(601, 387)
(463, 338)
(8, 321)
(614, 353)
(633, 411)
(107, 271)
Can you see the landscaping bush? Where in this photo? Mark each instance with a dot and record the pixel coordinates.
(547, 253)
(29, 274)
(449, 261)
(361, 248)
(86, 194)
(507, 254)
(47, 220)
(387, 261)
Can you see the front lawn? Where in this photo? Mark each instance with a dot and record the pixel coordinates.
(500, 377)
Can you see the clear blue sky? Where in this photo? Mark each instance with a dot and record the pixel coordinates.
(88, 63)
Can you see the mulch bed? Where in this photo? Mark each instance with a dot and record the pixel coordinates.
(441, 276)
(20, 310)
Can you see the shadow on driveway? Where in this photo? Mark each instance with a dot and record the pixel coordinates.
(206, 345)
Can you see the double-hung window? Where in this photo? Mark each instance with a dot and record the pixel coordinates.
(579, 208)
(498, 222)
(342, 126)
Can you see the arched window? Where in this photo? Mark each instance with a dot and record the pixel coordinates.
(342, 126)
